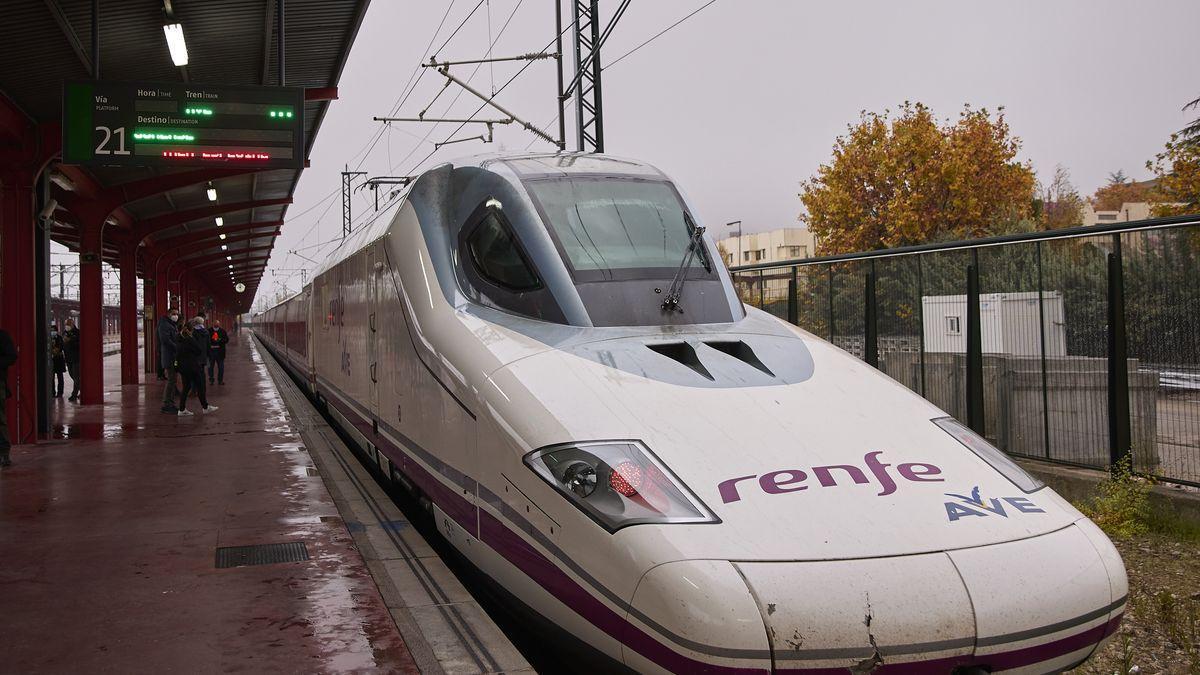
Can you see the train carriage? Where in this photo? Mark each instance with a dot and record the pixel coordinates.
(548, 349)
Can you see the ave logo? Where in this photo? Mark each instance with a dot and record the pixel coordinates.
(978, 506)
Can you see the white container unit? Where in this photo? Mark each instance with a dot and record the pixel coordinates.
(1009, 323)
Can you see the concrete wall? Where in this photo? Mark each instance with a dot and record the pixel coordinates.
(1076, 397)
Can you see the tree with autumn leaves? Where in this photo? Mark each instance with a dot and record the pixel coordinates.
(902, 180)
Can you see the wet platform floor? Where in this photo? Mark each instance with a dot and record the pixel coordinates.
(109, 532)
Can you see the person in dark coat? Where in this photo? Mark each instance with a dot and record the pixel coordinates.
(218, 338)
(200, 335)
(191, 368)
(70, 338)
(8, 355)
(58, 362)
(168, 348)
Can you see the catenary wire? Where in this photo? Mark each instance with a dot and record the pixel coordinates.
(658, 35)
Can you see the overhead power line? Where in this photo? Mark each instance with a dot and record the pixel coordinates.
(658, 35)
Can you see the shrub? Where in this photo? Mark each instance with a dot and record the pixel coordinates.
(1121, 506)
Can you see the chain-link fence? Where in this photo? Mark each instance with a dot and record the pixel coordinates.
(1015, 335)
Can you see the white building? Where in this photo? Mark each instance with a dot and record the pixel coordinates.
(787, 243)
(1008, 323)
(1128, 211)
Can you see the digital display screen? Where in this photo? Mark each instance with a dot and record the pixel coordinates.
(182, 124)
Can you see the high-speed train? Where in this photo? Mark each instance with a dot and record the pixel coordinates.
(548, 349)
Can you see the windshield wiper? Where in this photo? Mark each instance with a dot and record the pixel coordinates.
(695, 247)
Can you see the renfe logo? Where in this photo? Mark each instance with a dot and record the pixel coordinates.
(791, 480)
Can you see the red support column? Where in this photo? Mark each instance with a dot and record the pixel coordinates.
(150, 302)
(91, 330)
(18, 293)
(129, 327)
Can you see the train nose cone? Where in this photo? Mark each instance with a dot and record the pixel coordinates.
(1046, 601)
(695, 616)
(1040, 604)
(864, 614)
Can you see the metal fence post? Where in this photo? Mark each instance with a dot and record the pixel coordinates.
(793, 303)
(870, 323)
(974, 349)
(762, 287)
(831, 304)
(1042, 335)
(921, 319)
(1118, 359)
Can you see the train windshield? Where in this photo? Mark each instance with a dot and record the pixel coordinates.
(611, 228)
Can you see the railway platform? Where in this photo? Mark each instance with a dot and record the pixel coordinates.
(241, 540)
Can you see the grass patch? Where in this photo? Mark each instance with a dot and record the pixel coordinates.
(1121, 504)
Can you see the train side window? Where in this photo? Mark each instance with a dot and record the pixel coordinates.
(498, 257)
(496, 269)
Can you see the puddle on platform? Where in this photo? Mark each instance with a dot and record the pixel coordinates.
(94, 431)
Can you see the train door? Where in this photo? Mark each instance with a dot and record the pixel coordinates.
(374, 264)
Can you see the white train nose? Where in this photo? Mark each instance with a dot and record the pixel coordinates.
(1035, 605)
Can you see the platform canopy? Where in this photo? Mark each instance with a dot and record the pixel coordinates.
(167, 209)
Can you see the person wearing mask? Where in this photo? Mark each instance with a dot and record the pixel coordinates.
(218, 338)
(168, 348)
(70, 339)
(8, 355)
(191, 366)
(58, 362)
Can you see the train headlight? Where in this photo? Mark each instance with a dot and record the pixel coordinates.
(990, 454)
(618, 483)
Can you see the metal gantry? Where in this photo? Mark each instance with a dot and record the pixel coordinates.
(589, 108)
(347, 185)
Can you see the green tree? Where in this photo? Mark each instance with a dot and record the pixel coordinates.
(1177, 169)
(1190, 135)
(908, 179)
(1061, 204)
(1118, 191)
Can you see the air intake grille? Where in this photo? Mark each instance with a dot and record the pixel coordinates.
(261, 554)
(684, 354)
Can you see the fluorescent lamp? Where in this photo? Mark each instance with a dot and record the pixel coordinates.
(223, 246)
(212, 192)
(222, 235)
(231, 267)
(220, 221)
(175, 43)
(62, 181)
(229, 257)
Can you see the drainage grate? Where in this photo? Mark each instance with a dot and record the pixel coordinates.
(261, 554)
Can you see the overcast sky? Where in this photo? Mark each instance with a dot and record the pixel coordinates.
(744, 100)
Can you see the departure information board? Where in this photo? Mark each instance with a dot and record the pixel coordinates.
(182, 124)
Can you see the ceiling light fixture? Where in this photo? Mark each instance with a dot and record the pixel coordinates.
(62, 181)
(220, 221)
(222, 235)
(176, 43)
(212, 192)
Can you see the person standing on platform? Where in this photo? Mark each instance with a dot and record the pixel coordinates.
(8, 355)
(191, 367)
(70, 339)
(168, 348)
(58, 362)
(218, 338)
(200, 335)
